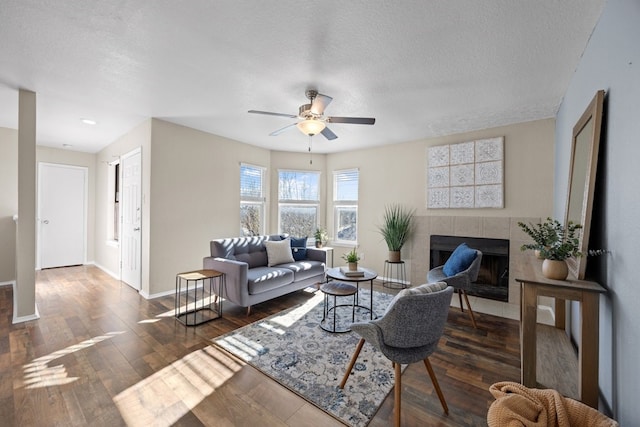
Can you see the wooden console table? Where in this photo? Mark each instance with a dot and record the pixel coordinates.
(534, 284)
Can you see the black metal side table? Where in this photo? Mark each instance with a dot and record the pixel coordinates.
(337, 289)
(394, 279)
(191, 311)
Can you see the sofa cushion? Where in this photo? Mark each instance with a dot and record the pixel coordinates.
(223, 248)
(460, 260)
(262, 279)
(250, 250)
(278, 252)
(299, 248)
(304, 269)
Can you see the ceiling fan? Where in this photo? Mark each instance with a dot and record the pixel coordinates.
(313, 119)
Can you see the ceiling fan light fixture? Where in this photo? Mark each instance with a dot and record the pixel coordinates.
(311, 127)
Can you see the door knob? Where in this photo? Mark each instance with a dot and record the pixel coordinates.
(46, 221)
(136, 229)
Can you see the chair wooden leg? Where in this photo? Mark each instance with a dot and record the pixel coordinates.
(460, 298)
(397, 389)
(434, 380)
(249, 311)
(473, 319)
(352, 362)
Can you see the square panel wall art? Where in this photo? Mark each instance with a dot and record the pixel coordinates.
(466, 175)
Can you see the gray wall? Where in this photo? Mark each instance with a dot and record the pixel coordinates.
(611, 62)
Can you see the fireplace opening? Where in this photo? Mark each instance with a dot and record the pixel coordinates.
(493, 279)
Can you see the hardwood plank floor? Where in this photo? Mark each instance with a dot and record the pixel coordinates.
(102, 355)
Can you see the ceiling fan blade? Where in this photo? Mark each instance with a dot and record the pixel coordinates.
(269, 113)
(319, 103)
(353, 120)
(279, 131)
(327, 133)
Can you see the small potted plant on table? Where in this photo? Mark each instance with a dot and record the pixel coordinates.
(321, 237)
(556, 243)
(352, 259)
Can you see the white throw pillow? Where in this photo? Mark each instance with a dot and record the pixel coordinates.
(278, 252)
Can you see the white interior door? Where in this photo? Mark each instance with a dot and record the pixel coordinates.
(62, 194)
(131, 254)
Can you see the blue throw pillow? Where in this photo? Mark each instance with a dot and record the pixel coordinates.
(459, 260)
(299, 248)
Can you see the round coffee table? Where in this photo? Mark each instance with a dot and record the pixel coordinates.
(337, 289)
(367, 276)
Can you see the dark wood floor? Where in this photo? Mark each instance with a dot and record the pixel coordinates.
(102, 355)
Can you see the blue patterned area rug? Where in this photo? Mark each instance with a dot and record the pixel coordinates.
(291, 348)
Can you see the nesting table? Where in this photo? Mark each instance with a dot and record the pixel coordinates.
(337, 289)
(193, 307)
(368, 276)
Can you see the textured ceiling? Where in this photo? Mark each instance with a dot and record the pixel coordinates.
(421, 68)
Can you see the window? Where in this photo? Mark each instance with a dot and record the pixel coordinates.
(252, 200)
(345, 205)
(116, 203)
(113, 213)
(298, 202)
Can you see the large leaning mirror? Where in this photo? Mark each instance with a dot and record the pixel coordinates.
(582, 177)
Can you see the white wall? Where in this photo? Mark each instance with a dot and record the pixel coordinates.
(397, 174)
(192, 189)
(8, 203)
(194, 197)
(611, 61)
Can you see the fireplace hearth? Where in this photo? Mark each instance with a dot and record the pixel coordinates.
(493, 279)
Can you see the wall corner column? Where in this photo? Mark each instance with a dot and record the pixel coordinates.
(24, 294)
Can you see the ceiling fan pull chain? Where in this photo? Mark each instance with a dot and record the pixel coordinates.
(310, 155)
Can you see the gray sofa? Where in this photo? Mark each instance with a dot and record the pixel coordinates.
(249, 279)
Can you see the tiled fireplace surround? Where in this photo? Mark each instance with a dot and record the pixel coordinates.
(484, 227)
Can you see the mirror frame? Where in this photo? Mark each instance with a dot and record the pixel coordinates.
(577, 266)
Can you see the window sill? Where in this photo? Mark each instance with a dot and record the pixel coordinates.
(343, 244)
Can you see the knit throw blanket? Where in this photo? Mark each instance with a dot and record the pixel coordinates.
(517, 405)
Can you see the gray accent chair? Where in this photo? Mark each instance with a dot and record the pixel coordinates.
(408, 332)
(461, 281)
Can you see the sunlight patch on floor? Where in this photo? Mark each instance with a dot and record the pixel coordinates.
(169, 394)
(286, 320)
(240, 345)
(248, 349)
(191, 306)
(38, 373)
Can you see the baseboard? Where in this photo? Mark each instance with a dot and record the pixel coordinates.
(106, 270)
(546, 315)
(146, 295)
(21, 319)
